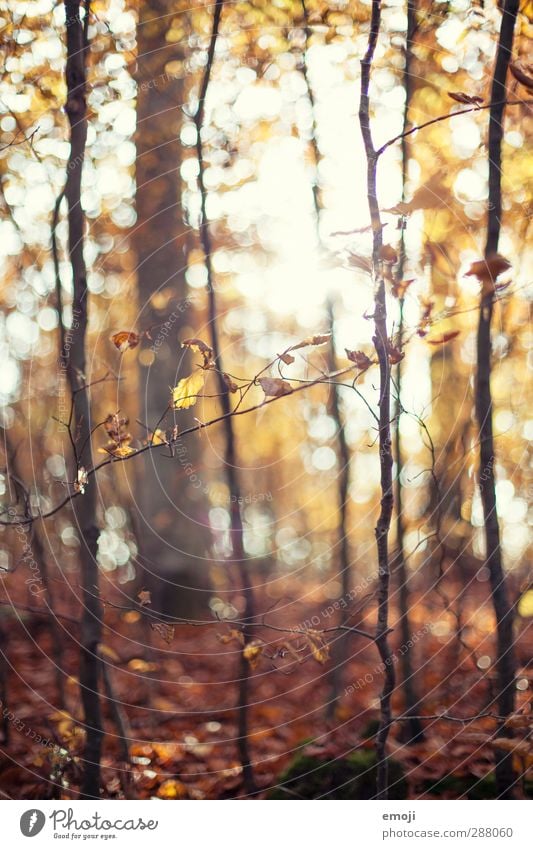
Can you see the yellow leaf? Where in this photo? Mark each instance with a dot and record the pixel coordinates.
(185, 394)
(172, 789)
(525, 605)
(252, 652)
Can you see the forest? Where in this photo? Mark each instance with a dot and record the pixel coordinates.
(264, 391)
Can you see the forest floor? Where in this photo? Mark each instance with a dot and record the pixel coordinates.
(177, 702)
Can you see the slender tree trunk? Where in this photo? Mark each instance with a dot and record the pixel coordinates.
(413, 727)
(340, 646)
(505, 664)
(230, 454)
(385, 447)
(84, 507)
(174, 537)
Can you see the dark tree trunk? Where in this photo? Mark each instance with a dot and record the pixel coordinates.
(84, 507)
(385, 445)
(505, 663)
(413, 727)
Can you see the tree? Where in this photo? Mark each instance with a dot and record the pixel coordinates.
(174, 536)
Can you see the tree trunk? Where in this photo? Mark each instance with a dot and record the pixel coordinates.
(505, 663)
(385, 446)
(174, 538)
(84, 507)
(413, 727)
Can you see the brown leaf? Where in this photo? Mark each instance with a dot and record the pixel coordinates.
(165, 631)
(286, 358)
(274, 387)
(487, 270)
(445, 337)
(125, 339)
(202, 347)
(144, 597)
(523, 72)
(363, 263)
(388, 255)
(400, 287)
(469, 99)
(359, 358)
(232, 386)
(311, 341)
(395, 355)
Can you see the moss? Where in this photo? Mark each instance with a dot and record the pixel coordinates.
(469, 786)
(353, 777)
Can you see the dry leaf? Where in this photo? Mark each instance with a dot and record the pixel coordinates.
(144, 597)
(202, 347)
(185, 394)
(311, 341)
(445, 337)
(523, 72)
(317, 644)
(274, 387)
(395, 355)
(232, 634)
(400, 287)
(252, 652)
(388, 255)
(359, 358)
(125, 340)
(363, 263)
(231, 385)
(165, 631)
(487, 270)
(286, 358)
(469, 99)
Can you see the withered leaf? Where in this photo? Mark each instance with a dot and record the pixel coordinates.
(359, 358)
(363, 263)
(395, 355)
(487, 270)
(462, 97)
(125, 339)
(523, 72)
(252, 652)
(317, 644)
(311, 341)
(232, 635)
(445, 337)
(400, 287)
(144, 597)
(388, 255)
(164, 630)
(274, 387)
(202, 347)
(286, 358)
(231, 385)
